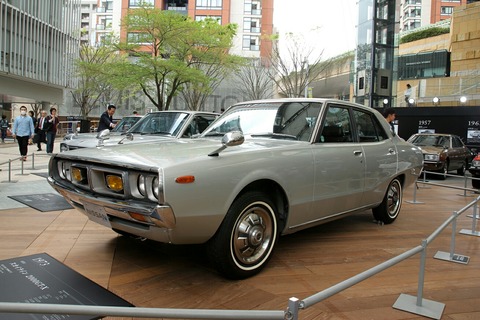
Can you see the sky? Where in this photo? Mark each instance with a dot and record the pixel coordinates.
(328, 25)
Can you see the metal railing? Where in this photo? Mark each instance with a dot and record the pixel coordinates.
(417, 305)
(22, 166)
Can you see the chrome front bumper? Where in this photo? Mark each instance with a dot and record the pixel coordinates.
(157, 220)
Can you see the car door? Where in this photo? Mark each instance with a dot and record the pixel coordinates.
(379, 155)
(339, 165)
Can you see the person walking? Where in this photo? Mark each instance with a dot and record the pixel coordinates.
(51, 129)
(389, 115)
(4, 125)
(23, 131)
(106, 119)
(40, 133)
(408, 94)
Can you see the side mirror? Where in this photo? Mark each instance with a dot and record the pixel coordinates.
(230, 139)
(128, 136)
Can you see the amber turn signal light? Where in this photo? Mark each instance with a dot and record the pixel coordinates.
(185, 179)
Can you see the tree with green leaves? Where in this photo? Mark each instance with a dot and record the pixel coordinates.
(95, 83)
(171, 53)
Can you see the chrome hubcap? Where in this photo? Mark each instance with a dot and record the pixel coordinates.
(394, 199)
(253, 234)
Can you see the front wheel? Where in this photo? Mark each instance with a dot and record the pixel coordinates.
(445, 171)
(244, 242)
(389, 209)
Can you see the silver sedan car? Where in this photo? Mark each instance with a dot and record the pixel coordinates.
(262, 169)
(160, 124)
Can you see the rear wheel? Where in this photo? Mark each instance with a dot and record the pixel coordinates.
(389, 209)
(244, 242)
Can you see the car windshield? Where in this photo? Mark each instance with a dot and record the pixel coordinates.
(162, 123)
(431, 140)
(125, 124)
(282, 120)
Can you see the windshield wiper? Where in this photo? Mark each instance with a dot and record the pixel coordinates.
(157, 132)
(275, 135)
(214, 134)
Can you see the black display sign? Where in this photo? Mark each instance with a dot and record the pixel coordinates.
(40, 278)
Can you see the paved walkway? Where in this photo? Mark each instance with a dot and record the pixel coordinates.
(22, 177)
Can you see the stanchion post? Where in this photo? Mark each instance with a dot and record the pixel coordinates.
(421, 274)
(415, 187)
(473, 232)
(452, 256)
(292, 310)
(465, 186)
(452, 242)
(21, 166)
(9, 170)
(33, 161)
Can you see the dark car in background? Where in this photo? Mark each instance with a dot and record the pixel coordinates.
(442, 152)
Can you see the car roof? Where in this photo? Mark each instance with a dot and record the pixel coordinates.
(436, 134)
(185, 111)
(320, 100)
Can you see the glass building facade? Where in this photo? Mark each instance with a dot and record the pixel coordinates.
(39, 40)
(375, 54)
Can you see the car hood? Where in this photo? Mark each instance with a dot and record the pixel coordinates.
(166, 152)
(431, 149)
(114, 139)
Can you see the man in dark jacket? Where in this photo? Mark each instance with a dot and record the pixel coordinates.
(51, 129)
(106, 119)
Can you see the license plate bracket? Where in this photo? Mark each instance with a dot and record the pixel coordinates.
(97, 214)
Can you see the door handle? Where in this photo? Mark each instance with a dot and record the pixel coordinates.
(391, 151)
(357, 153)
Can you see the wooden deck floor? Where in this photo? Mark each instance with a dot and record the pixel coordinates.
(150, 274)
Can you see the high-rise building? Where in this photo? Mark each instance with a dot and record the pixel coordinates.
(254, 19)
(418, 13)
(39, 41)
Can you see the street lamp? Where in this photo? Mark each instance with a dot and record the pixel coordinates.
(411, 102)
(463, 99)
(436, 100)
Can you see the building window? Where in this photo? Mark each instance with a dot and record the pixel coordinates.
(138, 38)
(252, 7)
(201, 18)
(251, 25)
(209, 4)
(424, 65)
(251, 43)
(136, 3)
(446, 10)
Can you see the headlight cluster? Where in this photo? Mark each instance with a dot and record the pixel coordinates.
(110, 181)
(149, 186)
(431, 157)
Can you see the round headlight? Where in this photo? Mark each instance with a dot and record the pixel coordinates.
(141, 184)
(155, 187)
